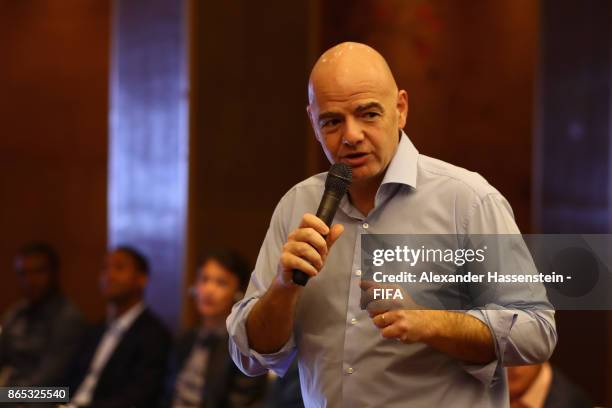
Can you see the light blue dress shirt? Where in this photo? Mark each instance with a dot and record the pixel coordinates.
(343, 359)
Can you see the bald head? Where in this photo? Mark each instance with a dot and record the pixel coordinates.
(346, 65)
(356, 110)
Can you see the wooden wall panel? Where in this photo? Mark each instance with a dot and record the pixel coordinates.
(469, 71)
(572, 164)
(249, 128)
(53, 146)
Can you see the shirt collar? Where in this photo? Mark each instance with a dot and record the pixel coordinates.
(125, 320)
(402, 170)
(403, 166)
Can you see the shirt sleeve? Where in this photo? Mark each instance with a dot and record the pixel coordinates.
(248, 360)
(519, 316)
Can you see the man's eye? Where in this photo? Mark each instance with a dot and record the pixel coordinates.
(371, 115)
(330, 123)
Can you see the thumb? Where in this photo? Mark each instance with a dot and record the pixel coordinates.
(334, 233)
(366, 285)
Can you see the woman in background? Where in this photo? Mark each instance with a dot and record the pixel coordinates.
(202, 373)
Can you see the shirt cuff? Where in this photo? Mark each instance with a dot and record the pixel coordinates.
(500, 322)
(278, 362)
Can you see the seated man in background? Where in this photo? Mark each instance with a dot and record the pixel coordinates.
(542, 386)
(122, 363)
(202, 373)
(285, 391)
(41, 333)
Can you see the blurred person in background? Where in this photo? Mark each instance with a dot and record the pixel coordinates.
(285, 391)
(202, 373)
(41, 333)
(543, 386)
(122, 362)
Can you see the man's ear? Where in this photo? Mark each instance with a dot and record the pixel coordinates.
(402, 108)
(312, 123)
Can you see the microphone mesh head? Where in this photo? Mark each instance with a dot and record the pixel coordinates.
(339, 178)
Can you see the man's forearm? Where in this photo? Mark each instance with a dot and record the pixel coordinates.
(462, 336)
(270, 322)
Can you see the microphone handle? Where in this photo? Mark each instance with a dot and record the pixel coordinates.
(327, 209)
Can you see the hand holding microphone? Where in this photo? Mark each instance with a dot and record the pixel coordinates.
(307, 247)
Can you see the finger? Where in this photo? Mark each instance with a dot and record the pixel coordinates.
(366, 285)
(314, 222)
(377, 307)
(311, 237)
(366, 297)
(306, 252)
(381, 320)
(290, 262)
(334, 233)
(392, 331)
(367, 294)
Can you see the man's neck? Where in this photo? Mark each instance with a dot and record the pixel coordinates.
(118, 309)
(44, 299)
(363, 195)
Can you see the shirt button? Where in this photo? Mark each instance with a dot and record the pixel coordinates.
(353, 321)
(358, 272)
(365, 225)
(349, 370)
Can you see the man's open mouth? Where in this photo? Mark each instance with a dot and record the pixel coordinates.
(355, 159)
(355, 155)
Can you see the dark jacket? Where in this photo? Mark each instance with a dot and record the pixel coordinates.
(564, 394)
(38, 342)
(225, 386)
(133, 375)
(285, 391)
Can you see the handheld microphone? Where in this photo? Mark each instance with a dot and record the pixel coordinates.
(338, 180)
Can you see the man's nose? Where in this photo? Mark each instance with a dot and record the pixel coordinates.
(353, 134)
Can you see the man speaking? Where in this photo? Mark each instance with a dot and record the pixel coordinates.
(399, 358)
